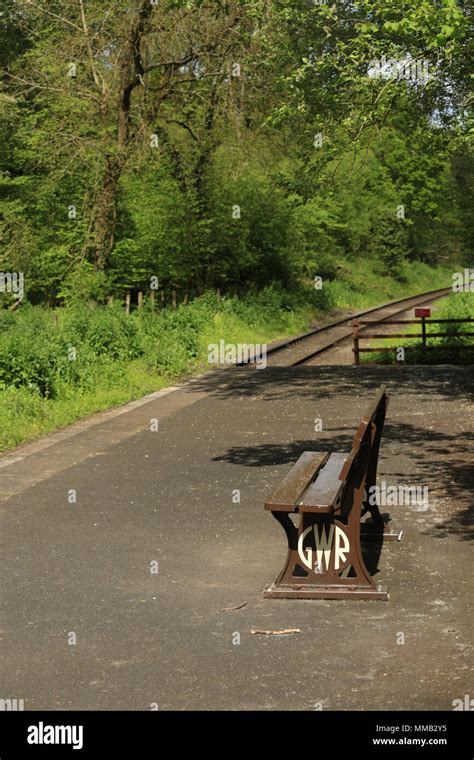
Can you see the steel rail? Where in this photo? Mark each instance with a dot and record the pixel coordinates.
(281, 347)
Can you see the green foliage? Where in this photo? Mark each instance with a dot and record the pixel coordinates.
(57, 366)
(457, 306)
(83, 284)
(74, 192)
(131, 168)
(45, 351)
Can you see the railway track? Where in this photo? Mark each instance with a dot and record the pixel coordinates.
(304, 348)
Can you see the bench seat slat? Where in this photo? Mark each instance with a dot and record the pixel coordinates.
(322, 493)
(289, 491)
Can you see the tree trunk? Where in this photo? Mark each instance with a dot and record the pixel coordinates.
(104, 210)
(104, 214)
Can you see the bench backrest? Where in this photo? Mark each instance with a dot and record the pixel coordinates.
(361, 464)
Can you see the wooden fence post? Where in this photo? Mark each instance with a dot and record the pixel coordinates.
(127, 303)
(355, 338)
(423, 334)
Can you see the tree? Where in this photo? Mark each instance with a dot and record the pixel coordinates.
(101, 79)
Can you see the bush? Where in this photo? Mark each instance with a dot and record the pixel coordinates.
(28, 351)
(83, 284)
(82, 346)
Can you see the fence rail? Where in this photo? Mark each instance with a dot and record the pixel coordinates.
(363, 324)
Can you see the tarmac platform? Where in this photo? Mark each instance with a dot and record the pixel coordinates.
(167, 639)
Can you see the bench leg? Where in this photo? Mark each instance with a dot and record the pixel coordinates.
(292, 537)
(370, 531)
(378, 526)
(324, 559)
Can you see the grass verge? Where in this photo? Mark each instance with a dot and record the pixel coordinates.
(57, 366)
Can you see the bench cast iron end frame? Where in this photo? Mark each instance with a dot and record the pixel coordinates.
(329, 495)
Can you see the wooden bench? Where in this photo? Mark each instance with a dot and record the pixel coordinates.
(328, 493)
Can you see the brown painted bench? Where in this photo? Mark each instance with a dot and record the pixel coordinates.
(329, 495)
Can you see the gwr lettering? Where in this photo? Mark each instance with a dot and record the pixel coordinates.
(324, 543)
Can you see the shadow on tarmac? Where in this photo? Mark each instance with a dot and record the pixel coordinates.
(442, 457)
